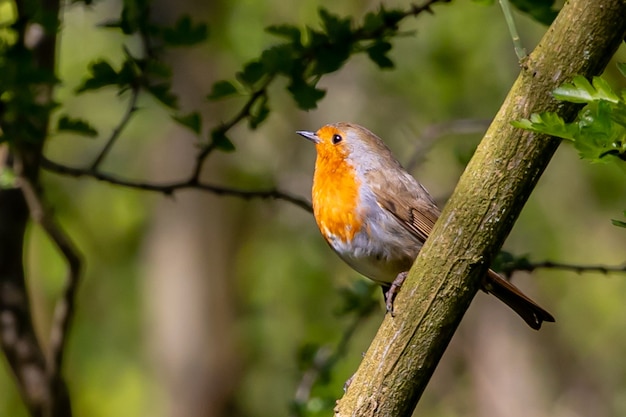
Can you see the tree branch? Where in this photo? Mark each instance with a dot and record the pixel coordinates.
(532, 266)
(117, 131)
(64, 309)
(433, 132)
(479, 215)
(172, 187)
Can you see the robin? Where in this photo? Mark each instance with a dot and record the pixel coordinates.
(376, 216)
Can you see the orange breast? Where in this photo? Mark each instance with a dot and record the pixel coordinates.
(335, 196)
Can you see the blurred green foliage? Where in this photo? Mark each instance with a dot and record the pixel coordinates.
(294, 300)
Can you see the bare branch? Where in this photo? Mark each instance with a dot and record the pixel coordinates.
(426, 7)
(433, 132)
(224, 127)
(532, 266)
(170, 188)
(130, 109)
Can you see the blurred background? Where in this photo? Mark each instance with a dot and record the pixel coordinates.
(201, 305)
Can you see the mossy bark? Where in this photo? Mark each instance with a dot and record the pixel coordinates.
(480, 214)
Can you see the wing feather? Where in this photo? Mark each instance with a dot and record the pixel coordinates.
(410, 204)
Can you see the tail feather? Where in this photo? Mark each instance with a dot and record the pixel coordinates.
(508, 293)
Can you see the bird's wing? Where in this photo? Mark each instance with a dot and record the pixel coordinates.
(411, 205)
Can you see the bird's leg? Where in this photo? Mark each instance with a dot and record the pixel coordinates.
(390, 294)
(347, 384)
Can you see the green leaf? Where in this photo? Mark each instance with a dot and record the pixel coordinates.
(547, 123)
(372, 21)
(102, 75)
(259, 112)
(621, 66)
(338, 29)
(290, 32)
(604, 90)
(579, 90)
(540, 10)
(128, 73)
(378, 54)
(79, 126)
(618, 113)
(222, 89)
(251, 73)
(162, 92)
(192, 121)
(221, 141)
(619, 223)
(134, 16)
(599, 131)
(156, 68)
(582, 91)
(382, 21)
(329, 56)
(278, 59)
(185, 33)
(305, 95)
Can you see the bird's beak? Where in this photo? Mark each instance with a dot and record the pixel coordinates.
(308, 135)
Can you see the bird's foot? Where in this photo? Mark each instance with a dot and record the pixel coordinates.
(391, 293)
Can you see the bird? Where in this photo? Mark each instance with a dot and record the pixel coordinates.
(376, 216)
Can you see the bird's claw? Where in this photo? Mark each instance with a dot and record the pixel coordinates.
(391, 293)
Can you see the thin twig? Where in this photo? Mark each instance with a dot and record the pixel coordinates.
(426, 7)
(510, 22)
(224, 127)
(130, 109)
(433, 132)
(172, 187)
(532, 266)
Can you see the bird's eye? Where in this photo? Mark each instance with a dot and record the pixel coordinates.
(336, 139)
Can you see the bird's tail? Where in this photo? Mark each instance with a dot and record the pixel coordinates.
(508, 293)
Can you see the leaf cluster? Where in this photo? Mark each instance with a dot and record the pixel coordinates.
(21, 113)
(305, 56)
(23, 84)
(599, 130)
